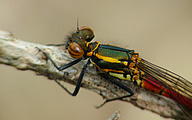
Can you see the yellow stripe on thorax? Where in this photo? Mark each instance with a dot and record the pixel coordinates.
(107, 70)
(108, 59)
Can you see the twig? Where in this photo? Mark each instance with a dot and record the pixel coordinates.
(25, 56)
(115, 116)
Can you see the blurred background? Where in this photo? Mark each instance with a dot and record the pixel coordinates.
(160, 31)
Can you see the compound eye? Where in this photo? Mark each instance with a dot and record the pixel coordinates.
(87, 33)
(75, 50)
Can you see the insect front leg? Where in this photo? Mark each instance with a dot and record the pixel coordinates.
(61, 67)
(74, 93)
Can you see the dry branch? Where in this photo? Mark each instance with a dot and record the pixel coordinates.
(115, 116)
(25, 56)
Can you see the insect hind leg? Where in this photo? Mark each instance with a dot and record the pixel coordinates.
(112, 80)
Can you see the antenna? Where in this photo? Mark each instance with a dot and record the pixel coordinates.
(77, 24)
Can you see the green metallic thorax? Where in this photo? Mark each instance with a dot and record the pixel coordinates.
(114, 52)
(117, 62)
(112, 59)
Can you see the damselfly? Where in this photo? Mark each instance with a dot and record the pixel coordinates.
(126, 65)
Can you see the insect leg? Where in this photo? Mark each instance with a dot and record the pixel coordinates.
(121, 86)
(61, 67)
(78, 85)
(66, 66)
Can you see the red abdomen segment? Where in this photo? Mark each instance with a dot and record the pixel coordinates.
(157, 87)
